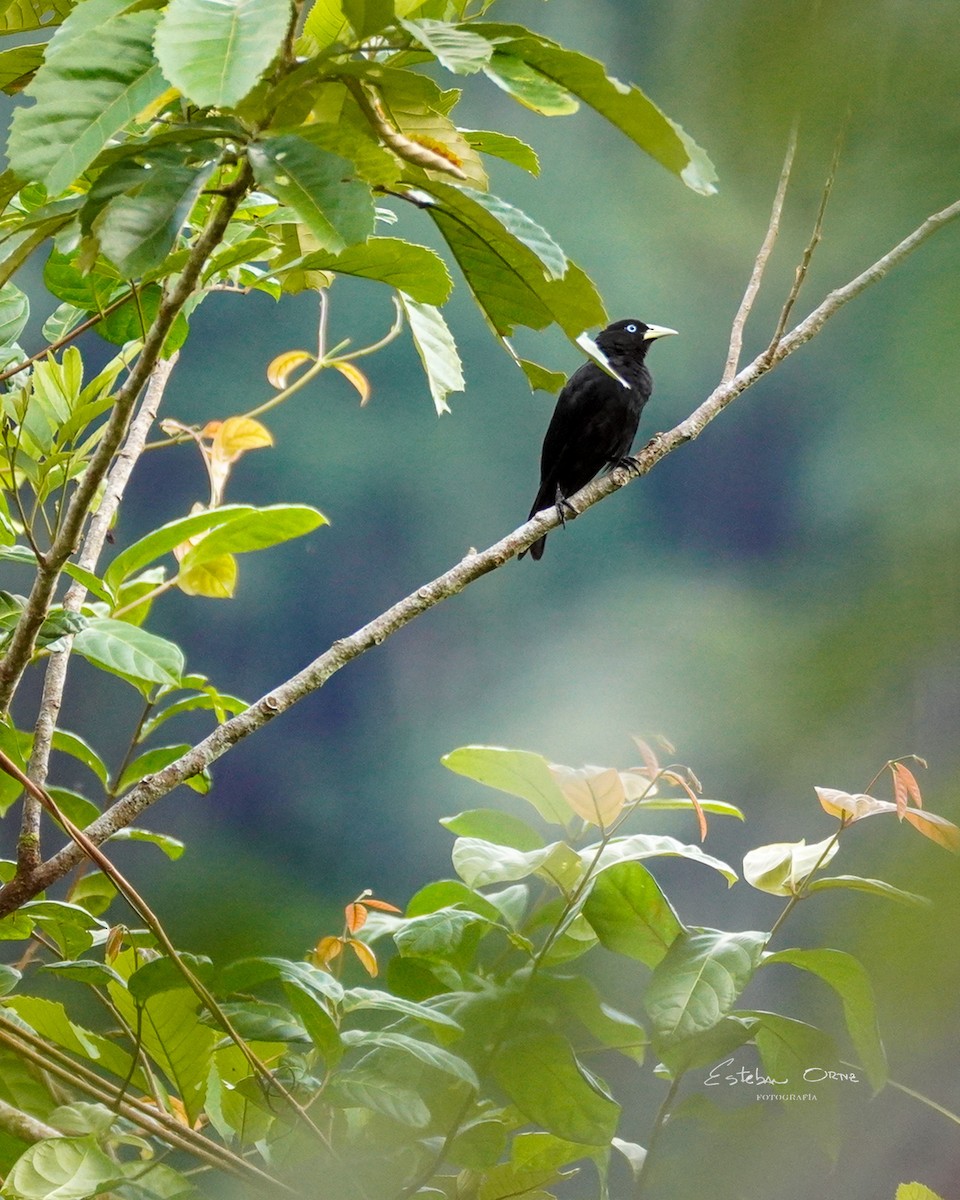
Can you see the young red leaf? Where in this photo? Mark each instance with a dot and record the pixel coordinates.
(368, 960)
(904, 778)
(356, 917)
(382, 906)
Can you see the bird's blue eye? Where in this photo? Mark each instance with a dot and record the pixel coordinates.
(631, 329)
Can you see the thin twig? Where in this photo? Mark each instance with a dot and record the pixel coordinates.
(760, 264)
(55, 677)
(473, 566)
(804, 266)
(67, 338)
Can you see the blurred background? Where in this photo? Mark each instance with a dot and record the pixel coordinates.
(779, 598)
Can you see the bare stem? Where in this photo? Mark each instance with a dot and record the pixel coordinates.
(760, 263)
(55, 677)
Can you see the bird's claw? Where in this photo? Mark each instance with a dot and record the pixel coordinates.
(564, 509)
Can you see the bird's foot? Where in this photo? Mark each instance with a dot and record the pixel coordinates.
(564, 509)
(629, 462)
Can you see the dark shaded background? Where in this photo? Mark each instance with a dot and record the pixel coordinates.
(780, 597)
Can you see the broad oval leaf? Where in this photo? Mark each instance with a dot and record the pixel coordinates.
(63, 1168)
(699, 979)
(516, 772)
(255, 529)
(646, 845)
(126, 650)
(214, 51)
(631, 915)
(543, 1078)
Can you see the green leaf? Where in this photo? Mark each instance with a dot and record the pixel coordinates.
(845, 974)
(319, 186)
(248, 973)
(368, 16)
(76, 747)
(788, 1048)
(699, 980)
(479, 863)
(874, 887)
(214, 51)
(162, 541)
(63, 1168)
(631, 915)
(516, 772)
(437, 350)
(163, 975)
(624, 105)
(529, 86)
(69, 925)
(174, 1037)
(425, 1052)
(172, 847)
(645, 845)
(540, 378)
(450, 893)
(509, 279)
(130, 322)
(415, 270)
(14, 314)
(254, 530)
(356, 999)
(541, 1075)
(49, 1020)
(916, 1191)
(364, 1088)
(439, 934)
(16, 745)
(22, 16)
(782, 868)
(88, 971)
(125, 650)
(494, 826)
(137, 229)
(9, 978)
(708, 1046)
(85, 92)
(325, 23)
(504, 145)
(459, 50)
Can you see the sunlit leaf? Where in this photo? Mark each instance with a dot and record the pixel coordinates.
(133, 653)
(781, 868)
(63, 1168)
(516, 772)
(594, 793)
(356, 377)
(504, 145)
(874, 887)
(284, 365)
(631, 915)
(459, 50)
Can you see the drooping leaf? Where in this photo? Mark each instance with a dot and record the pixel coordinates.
(319, 186)
(845, 974)
(504, 145)
(137, 229)
(639, 846)
(529, 86)
(873, 887)
(425, 1052)
(494, 826)
(479, 863)
(624, 105)
(85, 93)
(437, 351)
(214, 51)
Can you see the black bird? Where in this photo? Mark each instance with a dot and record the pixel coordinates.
(596, 418)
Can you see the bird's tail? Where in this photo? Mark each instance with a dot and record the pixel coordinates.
(536, 550)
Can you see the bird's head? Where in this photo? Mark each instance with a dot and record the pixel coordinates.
(630, 337)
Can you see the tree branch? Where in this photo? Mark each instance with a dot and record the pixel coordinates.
(472, 567)
(23, 641)
(760, 265)
(55, 677)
